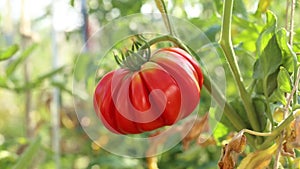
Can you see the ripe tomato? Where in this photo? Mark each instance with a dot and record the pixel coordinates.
(164, 90)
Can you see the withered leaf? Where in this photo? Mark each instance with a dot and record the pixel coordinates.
(235, 146)
(258, 159)
(292, 138)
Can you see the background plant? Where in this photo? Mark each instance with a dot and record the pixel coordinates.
(258, 46)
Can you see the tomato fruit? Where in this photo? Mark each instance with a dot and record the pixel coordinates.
(164, 89)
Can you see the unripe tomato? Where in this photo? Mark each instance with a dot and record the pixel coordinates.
(164, 89)
(278, 114)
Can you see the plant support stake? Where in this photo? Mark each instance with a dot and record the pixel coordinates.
(55, 106)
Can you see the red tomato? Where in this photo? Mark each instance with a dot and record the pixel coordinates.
(164, 90)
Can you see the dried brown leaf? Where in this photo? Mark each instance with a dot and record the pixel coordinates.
(296, 142)
(292, 138)
(235, 146)
(238, 143)
(226, 161)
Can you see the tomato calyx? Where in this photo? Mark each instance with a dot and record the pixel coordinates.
(135, 57)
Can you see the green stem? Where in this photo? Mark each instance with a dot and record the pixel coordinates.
(227, 47)
(277, 131)
(164, 13)
(268, 111)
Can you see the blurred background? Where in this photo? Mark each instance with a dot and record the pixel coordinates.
(38, 124)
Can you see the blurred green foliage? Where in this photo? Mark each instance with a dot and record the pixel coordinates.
(77, 150)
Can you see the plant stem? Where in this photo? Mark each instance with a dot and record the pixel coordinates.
(25, 31)
(268, 111)
(277, 131)
(287, 14)
(278, 152)
(227, 47)
(164, 13)
(291, 31)
(293, 5)
(255, 133)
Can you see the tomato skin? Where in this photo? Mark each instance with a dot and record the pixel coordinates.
(165, 90)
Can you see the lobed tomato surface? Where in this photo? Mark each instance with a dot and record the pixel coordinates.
(164, 90)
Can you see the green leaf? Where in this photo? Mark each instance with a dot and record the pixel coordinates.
(49, 74)
(269, 61)
(25, 54)
(40, 79)
(287, 51)
(29, 154)
(267, 33)
(9, 52)
(278, 96)
(271, 84)
(284, 81)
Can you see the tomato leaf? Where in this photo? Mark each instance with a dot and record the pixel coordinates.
(267, 49)
(40, 79)
(25, 54)
(9, 52)
(236, 145)
(278, 96)
(269, 60)
(267, 33)
(284, 81)
(287, 52)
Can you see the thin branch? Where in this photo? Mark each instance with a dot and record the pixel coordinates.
(163, 10)
(293, 5)
(287, 9)
(278, 152)
(294, 90)
(255, 133)
(287, 120)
